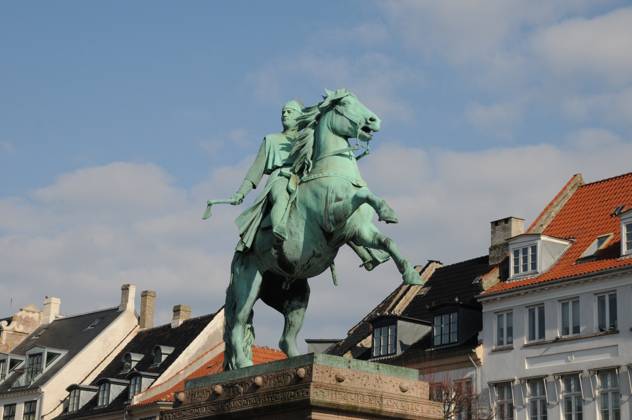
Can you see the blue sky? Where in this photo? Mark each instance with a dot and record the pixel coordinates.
(118, 120)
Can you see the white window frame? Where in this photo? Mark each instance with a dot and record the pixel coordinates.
(607, 321)
(528, 259)
(571, 318)
(384, 340)
(73, 400)
(626, 230)
(537, 411)
(103, 397)
(30, 416)
(5, 414)
(445, 328)
(135, 386)
(507, 403)
(538, 335)
(572, 394)
(507, 339)
(4, 368)
(609, 392)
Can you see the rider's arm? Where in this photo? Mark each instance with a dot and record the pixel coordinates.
(254, 175)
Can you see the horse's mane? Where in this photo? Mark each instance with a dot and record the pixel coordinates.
(303, 149)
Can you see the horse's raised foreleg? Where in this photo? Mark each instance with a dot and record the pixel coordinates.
(342, 209)
(292, 303)
(368, 235)
(241, 295)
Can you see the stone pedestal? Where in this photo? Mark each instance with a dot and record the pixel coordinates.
(313, 386)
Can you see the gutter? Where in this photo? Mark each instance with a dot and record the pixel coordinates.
(521, 289)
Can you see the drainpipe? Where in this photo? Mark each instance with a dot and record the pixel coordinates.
(477, 373)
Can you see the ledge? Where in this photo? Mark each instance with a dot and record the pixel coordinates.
(502, 349)
(570, 338)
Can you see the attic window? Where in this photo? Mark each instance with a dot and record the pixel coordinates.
(130, 360)
(34, 366)
(628, 238)
(596, 245)
(445, 329)
(384, 339)
(104, 394)
(160, 353)
(525, 260)
(3, 369)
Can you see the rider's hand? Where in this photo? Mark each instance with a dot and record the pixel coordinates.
(237, 198)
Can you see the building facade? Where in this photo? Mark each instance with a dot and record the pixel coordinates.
(557, 326)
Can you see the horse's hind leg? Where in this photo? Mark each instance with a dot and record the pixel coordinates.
(241, 296)
(368, 235)
(292, 303)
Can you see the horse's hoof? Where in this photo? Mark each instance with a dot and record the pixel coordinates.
(411, 277)
(387, 214)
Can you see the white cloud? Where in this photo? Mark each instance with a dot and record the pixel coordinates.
(612, 107)
(498, 118)
(597, 48)
(156, 240)
(374, 77)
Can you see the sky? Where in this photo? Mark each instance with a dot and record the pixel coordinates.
(118, 120)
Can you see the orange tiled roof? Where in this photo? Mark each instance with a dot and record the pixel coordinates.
(587, 215)
(259, 355)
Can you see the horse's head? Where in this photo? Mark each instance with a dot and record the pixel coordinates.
(350, 118)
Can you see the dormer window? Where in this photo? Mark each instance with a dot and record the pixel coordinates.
(109, 390)
(445, 329)
(34, 366)
(525, 260)
(8, 362)
(104, 394)
(626, 232)
(73, 400)
(534, 253)
(384, 340)
(130, 360)
(135, 385)
(4, 368)
(159, 354)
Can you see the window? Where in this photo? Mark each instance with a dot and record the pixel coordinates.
(104, 394)
(504, 401)
(570, 317)
(384, 340)
(445, 329)
(135, 386)
(628, 238)
(3, 369)
(609, 395)
(525, 260)
(30, 410)
(33, 367)
(9, 412)
(463, 391)
(504, 329)
(572, 397)
(607, 311)
(536, 323)
(74, 400)
(536, 394)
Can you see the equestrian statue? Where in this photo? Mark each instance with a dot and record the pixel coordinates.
(314, 201)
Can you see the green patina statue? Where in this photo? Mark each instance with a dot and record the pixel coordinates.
(314, 201)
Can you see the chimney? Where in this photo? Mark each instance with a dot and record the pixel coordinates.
(147, 305)
(501, 230)
(128, 292)
(180, 314)
(50, 310)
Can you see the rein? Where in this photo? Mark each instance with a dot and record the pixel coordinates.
(365, 151)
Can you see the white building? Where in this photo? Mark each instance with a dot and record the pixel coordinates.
(64, 350)
(557, 327)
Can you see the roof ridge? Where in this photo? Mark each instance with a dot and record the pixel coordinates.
(168, 324)
(462, 262)
(63, 317)
(607, 179)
